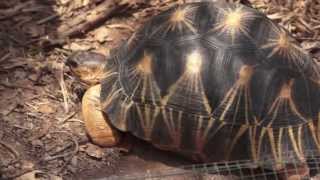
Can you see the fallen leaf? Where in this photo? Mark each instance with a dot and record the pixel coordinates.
(307, 45)
(46, 109)
(27, 165)
(8, 108)
(102, 34)
(77, 47)
(94, 151)
(64, 2)
(36, 175)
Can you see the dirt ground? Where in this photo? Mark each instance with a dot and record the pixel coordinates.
(41, 129)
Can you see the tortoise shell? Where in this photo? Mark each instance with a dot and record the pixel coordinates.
(215, 82)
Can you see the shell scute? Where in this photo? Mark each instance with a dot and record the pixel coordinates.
(233, 24)
(282, 50)
(229, 86)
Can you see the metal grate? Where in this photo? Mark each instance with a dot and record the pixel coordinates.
(232, 170)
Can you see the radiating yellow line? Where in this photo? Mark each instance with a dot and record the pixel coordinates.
(279, 144)
(272, 143)
(240, 132)
(294, 143)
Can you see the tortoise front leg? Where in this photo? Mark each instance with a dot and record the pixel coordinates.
(96, 123)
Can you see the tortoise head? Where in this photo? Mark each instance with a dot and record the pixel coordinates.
(87, 66)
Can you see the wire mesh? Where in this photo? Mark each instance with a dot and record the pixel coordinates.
(232, 170)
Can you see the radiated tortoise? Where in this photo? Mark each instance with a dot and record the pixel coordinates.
(211, 81)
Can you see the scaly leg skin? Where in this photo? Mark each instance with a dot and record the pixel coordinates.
(96, 123)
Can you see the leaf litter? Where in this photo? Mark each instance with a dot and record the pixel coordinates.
(42, 133)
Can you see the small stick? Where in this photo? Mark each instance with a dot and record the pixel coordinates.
(64, 90)
(15, 10)
(84, 22)
(12, 150)
(76, 149)
(5, 57)
(11, 86)
(49, 18)
(65, 119)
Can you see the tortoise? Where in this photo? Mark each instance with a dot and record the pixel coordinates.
(213, 81)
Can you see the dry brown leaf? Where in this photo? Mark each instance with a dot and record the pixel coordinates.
(36, 175)
(79, 3)
(103, 50)
(121, 26)
(94, 151)
(27, 165)
(64, 2)
(275, 16)
(10, 106)
(35, 30)
(102, 34)
(46, 109)
(74, 46)
(307, 45)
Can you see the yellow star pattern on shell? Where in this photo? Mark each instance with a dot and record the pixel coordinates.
(284, 101)
(194, 62)
(284, 46)
(234, 21)
(145, 64)
(178, 20)
(239, 91)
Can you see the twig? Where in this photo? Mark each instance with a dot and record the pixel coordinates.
(5, 57)
(308, 38)
(11, 38)
(84, 22)
(67, 117)
(63, 87)
(75, 120)
(66, 146)
(38, 173)
(65, 164)
(21, 127)
(43, 131)
(11, 149)
(10, 177)
(15, 10)
(11, 86)
(49, 18)
(50, 158)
